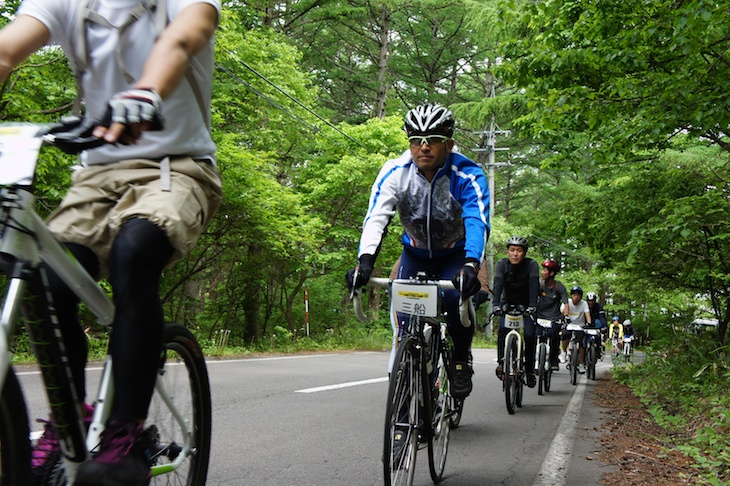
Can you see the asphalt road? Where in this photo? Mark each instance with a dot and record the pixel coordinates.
(318, 420)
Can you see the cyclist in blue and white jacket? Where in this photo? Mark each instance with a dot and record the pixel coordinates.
(442, 198)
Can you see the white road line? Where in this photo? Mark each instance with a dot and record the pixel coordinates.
(554, 469)
(342, 385)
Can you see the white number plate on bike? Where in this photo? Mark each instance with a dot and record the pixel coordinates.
(593, 332)
(19, 148)
(574, 327)
(513, 322)
(418, 300)
(545, 322)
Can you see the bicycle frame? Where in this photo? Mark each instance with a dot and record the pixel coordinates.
(25, 245)
(425, 340)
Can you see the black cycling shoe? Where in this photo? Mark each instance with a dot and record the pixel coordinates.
(461, 386)
(531, 380)
(499, 372)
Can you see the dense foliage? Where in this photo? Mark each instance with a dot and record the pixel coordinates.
(614, 115)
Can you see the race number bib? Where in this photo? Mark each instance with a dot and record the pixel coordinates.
(513, 322)
(416, 300)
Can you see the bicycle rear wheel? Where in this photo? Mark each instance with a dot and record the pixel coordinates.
(511, 373)
(14, 434)
(183, 380)
(402, 416)
(541, 371)
(442, 413)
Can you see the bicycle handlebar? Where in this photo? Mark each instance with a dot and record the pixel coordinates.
(464, 305)
(74, 134)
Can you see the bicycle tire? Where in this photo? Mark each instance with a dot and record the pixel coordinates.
(185, 377)
(548, 378)
(592, 362)
(438, 446)
(511, 376)
(541, 371)
(14, 434)
(403, 392)
(574, 365)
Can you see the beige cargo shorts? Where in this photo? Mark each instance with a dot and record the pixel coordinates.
(182, 201)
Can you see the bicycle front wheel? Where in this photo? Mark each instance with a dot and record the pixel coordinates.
(511, 373)
(182, 389)
(402, 416)
(574, 365)
(14, 434)
(442, 414)
(592, 362)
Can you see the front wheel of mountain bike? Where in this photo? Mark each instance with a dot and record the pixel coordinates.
(14, 434)
(181, 401)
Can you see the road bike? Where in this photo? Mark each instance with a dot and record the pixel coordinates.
(542, 354)
(593, 335)
(513, 362)
(420, 409)
(178, 427)
(628, 348)
(573, 351)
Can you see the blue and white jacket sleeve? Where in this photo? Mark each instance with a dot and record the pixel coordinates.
(382, 205)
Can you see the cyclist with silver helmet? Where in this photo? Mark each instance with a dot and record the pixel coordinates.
(443, 202)
(517, 282)
(578, 313)
(552, 304)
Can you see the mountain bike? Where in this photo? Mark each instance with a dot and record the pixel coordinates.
(513, 362)
(628, 348)
(593, 339)
(542, 355)
(574, 346)
(420, 409)
(178, 427)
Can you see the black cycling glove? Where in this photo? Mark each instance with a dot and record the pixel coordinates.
(470, 284)
(365, 269)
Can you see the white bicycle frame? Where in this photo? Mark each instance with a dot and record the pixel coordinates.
(26, 237)
(546, 324)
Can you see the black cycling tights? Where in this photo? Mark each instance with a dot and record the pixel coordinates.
(139, 253)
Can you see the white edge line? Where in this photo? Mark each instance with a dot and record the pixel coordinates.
(342, 385)
(554, 469)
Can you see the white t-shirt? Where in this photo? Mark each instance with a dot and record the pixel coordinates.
(186, 131)
(577, 313)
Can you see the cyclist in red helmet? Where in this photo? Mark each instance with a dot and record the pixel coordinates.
(552, 304)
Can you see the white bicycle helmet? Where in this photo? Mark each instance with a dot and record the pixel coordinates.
(591, 296)
(627, 322)
(429, 119)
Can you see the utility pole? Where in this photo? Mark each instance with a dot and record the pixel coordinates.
(489, 148)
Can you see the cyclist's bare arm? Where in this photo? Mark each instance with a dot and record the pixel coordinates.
(18, 40)
(165, 67)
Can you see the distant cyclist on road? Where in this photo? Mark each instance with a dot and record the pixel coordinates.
(616, 335)
(552, 304)
(598, 317)
(578, 313)
(517, 282)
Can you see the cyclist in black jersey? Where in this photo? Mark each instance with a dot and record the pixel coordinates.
(517, 282)
(552, 304)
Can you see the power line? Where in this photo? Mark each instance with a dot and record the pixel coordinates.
(264, 78)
